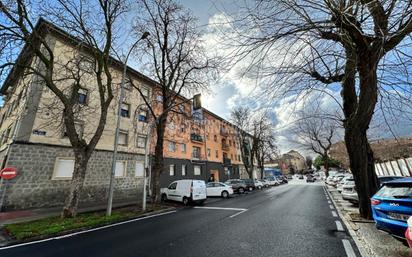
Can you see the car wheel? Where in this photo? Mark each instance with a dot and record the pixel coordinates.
(241, 190)
(185, 200)
(259, 187)
(250, 188)
(164, 198)
(225, 194)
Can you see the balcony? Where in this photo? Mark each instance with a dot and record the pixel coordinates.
(197, 156)
(225, 147)
(196, 137)
(227, 161)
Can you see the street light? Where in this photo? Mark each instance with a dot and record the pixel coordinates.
(116, 135)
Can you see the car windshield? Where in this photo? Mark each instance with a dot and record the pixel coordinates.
(396, 191)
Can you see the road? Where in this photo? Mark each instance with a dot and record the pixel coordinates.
(289, 220)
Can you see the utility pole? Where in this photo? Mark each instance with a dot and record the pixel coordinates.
(116, 135)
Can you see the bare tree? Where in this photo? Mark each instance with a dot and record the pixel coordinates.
(241, 117)
(91, 27)
(309, 161)
(263, 141)
(316, 133)
(179, 63)
(306, 45)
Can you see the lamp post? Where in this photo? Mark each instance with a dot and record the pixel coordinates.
(116, 135)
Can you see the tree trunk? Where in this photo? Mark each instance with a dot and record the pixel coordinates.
(80, 167)
(326, 164)
(158, 162)
(362, 166)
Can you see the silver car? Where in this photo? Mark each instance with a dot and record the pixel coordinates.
(349, 191)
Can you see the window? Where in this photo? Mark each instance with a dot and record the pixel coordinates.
(159, 98)
(217, 154)
(230, 143)
(197, 170)
(181, 109)
(142, 115)
(183, 146)
(145, 91)
(125, 110)
(63, 168)
(208, 152)
(215, 138)
(231, 156)
(196, 152)
(120, 170)
(172, 186)
(238, 157)
(172, 170)
(139, 170)
(79, 129)
(172, 146)
(127, 85)
(141, 141)
(184, 169)
(82, 94)
(123, 138)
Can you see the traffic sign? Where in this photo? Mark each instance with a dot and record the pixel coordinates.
(8, 173)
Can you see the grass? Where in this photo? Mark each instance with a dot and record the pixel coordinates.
(56, 225)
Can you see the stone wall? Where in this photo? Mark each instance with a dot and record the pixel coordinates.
(34, 186)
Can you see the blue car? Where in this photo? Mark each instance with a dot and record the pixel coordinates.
(392, 206)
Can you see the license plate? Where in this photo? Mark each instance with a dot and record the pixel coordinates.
(398, 216)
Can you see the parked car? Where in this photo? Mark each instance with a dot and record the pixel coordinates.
(290, 177)
(392, 206)
(339, 187)
(238, 185)
(349, 192)
(310, 178)
(218, 189)
(272, 181)
(383, 179)
(185, 191)
(336, 179)
(252, 184)
(301, 177)
(265, 182)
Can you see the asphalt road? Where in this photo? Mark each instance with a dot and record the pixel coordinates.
(289, 220)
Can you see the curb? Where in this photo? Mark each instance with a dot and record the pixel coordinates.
(63, 234)
(360, 244)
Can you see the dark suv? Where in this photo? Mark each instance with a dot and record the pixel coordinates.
(251, 184)
(238, 185)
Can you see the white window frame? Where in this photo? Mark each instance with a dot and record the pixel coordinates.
(124, 169)
(184, 170)
(56, 165)
(170, 148)
(197, 168)
(137, 172)
(183, 147)
(124, 132)
(172, 170)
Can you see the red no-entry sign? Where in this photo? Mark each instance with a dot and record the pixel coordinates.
(8, 173)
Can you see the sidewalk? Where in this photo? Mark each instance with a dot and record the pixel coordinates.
(370, 241)
(35, 214)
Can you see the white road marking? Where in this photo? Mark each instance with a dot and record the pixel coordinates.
(348, 248)
(331, 206)
(339, 226)
(234, 215)
(240, 210)
(334, 214)
(329, 202)
(219, 208)
(85, 231)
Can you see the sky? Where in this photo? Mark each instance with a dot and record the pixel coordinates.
(233, 90)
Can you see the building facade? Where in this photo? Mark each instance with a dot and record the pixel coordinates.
(33, 138)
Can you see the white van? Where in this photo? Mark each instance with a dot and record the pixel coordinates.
(185, 191)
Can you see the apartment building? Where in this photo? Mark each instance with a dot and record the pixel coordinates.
(33, 139)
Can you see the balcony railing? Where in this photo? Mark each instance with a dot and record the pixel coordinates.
(225, 146)
(197, 156)
(196, 137)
